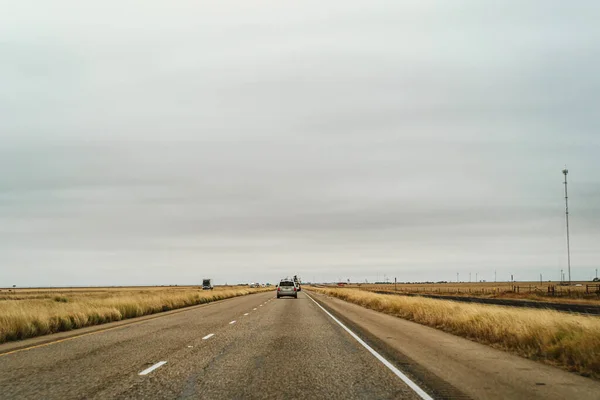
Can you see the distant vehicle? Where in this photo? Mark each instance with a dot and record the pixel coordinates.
(207, 284)
(287, 288)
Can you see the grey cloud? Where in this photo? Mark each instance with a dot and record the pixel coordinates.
(245, 141)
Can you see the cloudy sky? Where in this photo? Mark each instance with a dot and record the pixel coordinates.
(152, 142)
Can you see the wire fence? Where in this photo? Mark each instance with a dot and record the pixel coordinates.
(544, 290)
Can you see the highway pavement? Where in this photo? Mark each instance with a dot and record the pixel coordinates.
(248, 347)
(257, 346)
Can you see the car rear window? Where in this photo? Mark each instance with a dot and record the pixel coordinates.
(286, 284)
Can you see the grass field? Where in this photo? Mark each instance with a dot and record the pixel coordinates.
(519, 290)
(26, 313)
(569, 341)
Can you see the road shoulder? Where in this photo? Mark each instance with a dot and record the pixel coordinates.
(443, 362)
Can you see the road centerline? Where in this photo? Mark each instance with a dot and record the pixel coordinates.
(208, 336)
(152, 368)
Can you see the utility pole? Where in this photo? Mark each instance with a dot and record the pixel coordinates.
(540, 279)
(596, 273)
(494, 275)
(476, 277)
(469, 277)
(457, 277)
(395, 289)
(562, 276)
(565, 172)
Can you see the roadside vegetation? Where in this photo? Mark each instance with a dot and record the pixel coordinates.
(28, 313)
(554, 292)
(566, 340)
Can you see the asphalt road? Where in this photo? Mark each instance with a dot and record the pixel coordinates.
(276, 348)
(257, 347)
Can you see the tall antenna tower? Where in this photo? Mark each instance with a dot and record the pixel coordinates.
(565, 172)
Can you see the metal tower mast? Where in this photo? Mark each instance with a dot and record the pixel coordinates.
(565, 172)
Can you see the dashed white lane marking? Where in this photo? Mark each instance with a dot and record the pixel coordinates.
(254, 309)
(378, 356)
(152, 368)
(232, 322)
(246, 314)
(208, 336)
(260, 305)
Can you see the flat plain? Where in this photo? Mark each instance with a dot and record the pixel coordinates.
(31, 312)
(583, 292)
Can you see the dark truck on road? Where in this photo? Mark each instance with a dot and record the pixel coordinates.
(297, 282)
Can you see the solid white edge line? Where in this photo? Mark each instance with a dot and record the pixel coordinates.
(232, 322)
(385, 362)
(208, 336)
(152, 368)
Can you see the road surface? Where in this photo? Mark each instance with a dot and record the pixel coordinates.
(257, 346)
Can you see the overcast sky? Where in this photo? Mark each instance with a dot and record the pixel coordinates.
(152, 142)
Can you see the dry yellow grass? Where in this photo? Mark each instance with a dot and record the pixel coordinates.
(566, 340)
(38, 312)
(519, 290)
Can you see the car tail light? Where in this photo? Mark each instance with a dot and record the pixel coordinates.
(294, 288)
(279, 289)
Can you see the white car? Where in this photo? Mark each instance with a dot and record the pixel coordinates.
(287, 288)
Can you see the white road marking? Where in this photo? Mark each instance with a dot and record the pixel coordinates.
(208, 336)
(260, 305)
(385, 362)
(232, 322)
(254, 309)
(246, 314)
(152, 368)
